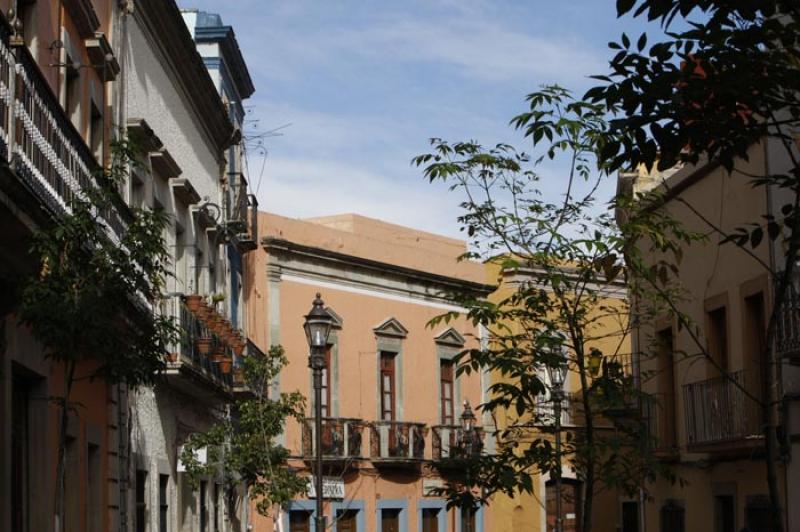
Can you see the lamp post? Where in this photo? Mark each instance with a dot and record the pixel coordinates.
(318, 327)
(470, 442)
(558, 374)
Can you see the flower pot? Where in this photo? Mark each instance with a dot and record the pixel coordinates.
(203, 312)
(193, 302)
(238, 346)
(217, 355)
(238, 376)
(172, 357)
(225, 365)
(203, 345)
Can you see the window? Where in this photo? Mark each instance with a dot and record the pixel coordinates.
(757, 515)
(72, 92)
(724, 513)
(216, 507)
(299, 521)
(203, 506)
(96, 132)
(468, 520)
(94, 489)
(630, 516)
(20, 454)
(390, 520)
(672, 517)
(141, 500)
(180, 259)
(72, 495)
(754, 332)
(665, 431)
(346, 521)
(388, 393)
(163, 503)
(570, 504)
(718, 338)
(430, 520)
(326, 384)
(446, 391)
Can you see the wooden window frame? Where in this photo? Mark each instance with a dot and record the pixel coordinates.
(388, 370)
(447, 384)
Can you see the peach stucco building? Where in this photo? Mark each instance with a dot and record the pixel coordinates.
(382, 284)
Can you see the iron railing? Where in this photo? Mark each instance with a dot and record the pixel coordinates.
(341, 437)
(44, 148)
(787, 331)
(546, 411)
(241, 209)
(191, 330)
(397, 440)
(717, 410)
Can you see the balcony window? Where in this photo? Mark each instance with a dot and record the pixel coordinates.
(203, 506)
(717, 321)
(96, 132)
(754, 341)
(388, 392)
(665, 417)
(326, 384)
(447, 376)
(72, 92)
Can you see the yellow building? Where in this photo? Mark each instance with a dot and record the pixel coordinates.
(536, 511)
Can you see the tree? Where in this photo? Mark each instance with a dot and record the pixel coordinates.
(90, 303)
(575, 253)
(244, 447)
(709, 93)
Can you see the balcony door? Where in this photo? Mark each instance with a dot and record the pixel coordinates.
(447, 376)
(388, 385)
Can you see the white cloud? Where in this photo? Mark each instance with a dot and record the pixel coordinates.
(318, 187)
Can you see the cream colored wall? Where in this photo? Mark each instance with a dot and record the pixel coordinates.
(722, 273)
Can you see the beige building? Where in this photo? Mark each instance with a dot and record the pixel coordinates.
(708, 426)
(391, 399)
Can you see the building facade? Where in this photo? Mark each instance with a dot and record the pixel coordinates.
(75, 76)
(707, 425)
(392, 399)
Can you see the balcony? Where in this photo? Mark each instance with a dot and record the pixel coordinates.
(202, 360)
(546, 414)
(341, 438)
(397, 442)
(719, 416)
(445, 441)
(241, 212)
(51, 160)
(242, 389)
(787, 332)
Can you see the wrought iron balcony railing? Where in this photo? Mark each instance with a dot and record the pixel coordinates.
(397, 440)
(241, 211)
(546, 411)
(196, 344)
(45, 150)
(445, 441)
(787, 331)
(717, 411)
(341, 438)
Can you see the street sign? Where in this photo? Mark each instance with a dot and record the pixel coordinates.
(431, 484)
(332, 488)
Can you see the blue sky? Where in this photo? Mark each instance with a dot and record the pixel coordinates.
(365, 84)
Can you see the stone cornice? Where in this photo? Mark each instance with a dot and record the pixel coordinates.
(164, 24)
(351, 263)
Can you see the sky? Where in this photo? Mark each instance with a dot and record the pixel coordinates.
(356, 89)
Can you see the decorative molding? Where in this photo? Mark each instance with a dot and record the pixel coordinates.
(164, 165)
(183, 189)
(391, 327)
(143, 135)
(101, 56)
(451, 338)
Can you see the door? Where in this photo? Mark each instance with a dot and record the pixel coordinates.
(299, 521)
(430, 520)
(390, 520)
(388, 393)
(346, 521)
(630, 516)
(570, 505)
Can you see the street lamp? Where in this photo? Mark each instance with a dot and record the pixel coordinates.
(318, 327)
(558, 374)
(470, 440)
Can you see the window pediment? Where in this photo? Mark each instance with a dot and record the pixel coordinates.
(392, 328)
(451, 338)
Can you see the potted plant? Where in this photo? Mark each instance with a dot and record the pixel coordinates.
(203, 345)
(225, 364)
(172, 357)
(193, 302)
(238, 376)
(217, 355)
